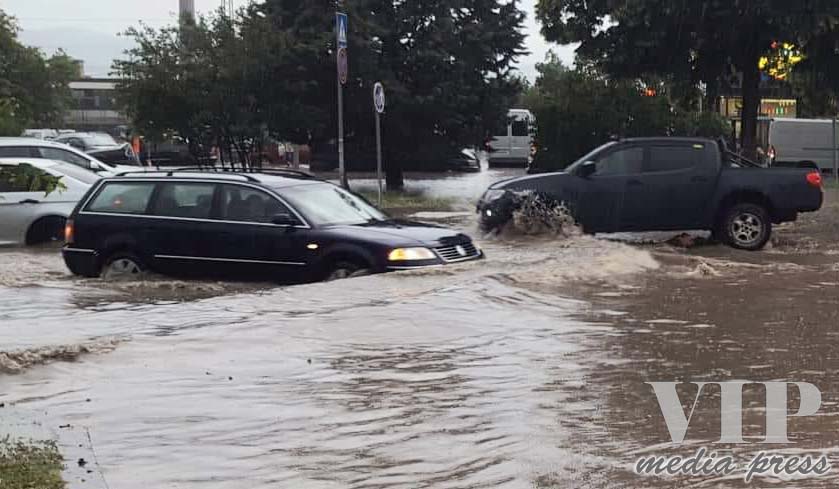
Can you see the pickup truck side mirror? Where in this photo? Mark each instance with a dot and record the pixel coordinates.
(588, 169)
(283, 219)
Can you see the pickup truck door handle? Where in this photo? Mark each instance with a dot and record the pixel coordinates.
(30, 201)
(634, 183)
(699, 179)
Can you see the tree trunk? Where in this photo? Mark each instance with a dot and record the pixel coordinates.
(392, 162)
(393, 173)
(751, 104)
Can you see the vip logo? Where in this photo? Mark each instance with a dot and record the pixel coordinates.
(731, 408)
(460, 250)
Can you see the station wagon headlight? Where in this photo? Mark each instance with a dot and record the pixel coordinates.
(411, 254)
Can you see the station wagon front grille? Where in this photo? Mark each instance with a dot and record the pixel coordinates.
(455, 253)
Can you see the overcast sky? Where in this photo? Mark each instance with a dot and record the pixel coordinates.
(87, 29)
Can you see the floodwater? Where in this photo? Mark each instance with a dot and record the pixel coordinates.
(526, 370)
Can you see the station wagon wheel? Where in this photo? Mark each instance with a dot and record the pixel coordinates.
(747, 227)
(346, 269)
(123, 266)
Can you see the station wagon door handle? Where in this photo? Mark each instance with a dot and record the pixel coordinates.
(699, 179)
(30, 201)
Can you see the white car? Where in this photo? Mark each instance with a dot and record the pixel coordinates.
(28, 214)
(39, 148)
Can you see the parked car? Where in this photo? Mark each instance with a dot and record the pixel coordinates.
(40, 133)
(28, 213)
(174, 152)
(285, 225)
(515, 147)
(51, 150)
(661, 184)
(103, 146)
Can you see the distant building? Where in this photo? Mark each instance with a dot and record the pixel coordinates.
(95, 106)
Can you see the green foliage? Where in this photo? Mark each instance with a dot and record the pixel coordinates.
(580, 109)
(30, 179)
(271, 71)
(30, 465)
(688, 41)
(702, 125)
(34, 90)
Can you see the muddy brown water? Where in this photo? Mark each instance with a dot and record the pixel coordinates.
(526, 370)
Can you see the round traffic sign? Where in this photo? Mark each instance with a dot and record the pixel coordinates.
(343, 66)
(379, 97)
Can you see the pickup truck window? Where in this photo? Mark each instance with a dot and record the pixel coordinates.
(627, 161)
(672, 158)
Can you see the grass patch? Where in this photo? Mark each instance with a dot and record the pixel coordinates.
(30, 465)
(407, 201)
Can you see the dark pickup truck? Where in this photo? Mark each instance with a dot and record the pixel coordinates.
(664, 184)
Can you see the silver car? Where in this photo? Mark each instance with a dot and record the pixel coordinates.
(38, 148)
(29, 214)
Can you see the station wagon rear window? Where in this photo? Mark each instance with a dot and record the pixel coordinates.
(122, 198)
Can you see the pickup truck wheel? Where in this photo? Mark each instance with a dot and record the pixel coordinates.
(746, 227)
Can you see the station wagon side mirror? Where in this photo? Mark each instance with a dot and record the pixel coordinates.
(588, 169)
(283, 219)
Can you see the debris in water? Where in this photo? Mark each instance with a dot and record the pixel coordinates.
(2, 404)
(65, 427)
(82, 462)
(705, 270)
(14, 362)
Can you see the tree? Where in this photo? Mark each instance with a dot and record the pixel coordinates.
(579, 109)
(447, 68)
(688, 40)
(34, 90)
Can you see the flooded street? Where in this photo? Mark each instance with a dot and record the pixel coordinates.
(526, 370)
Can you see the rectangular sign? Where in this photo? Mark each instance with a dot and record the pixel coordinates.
(342, 29)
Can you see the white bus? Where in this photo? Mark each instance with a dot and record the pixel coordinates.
(515, 147)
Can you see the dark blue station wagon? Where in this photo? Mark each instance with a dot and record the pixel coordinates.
(282, 225)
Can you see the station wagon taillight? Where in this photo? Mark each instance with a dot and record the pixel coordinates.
(69, 231)
(815, 179)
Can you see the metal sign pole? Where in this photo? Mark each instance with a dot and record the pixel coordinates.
(835, 156)
(341, 28)
(379, 154)
(379, 106)
(342, 170)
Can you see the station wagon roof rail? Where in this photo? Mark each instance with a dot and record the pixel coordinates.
(172, 173)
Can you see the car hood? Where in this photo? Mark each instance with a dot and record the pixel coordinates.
(401, 233)
(533, 182)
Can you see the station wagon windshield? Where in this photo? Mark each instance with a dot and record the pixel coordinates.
(328, 205)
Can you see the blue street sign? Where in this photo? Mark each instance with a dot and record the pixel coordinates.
(343, 28)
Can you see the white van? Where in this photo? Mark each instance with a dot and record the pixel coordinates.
(514, 148)
(802, 143)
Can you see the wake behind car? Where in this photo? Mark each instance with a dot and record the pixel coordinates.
(282, 225)
(664, 184)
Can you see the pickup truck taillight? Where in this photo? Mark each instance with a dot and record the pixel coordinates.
(815, 179)
(69, 231)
